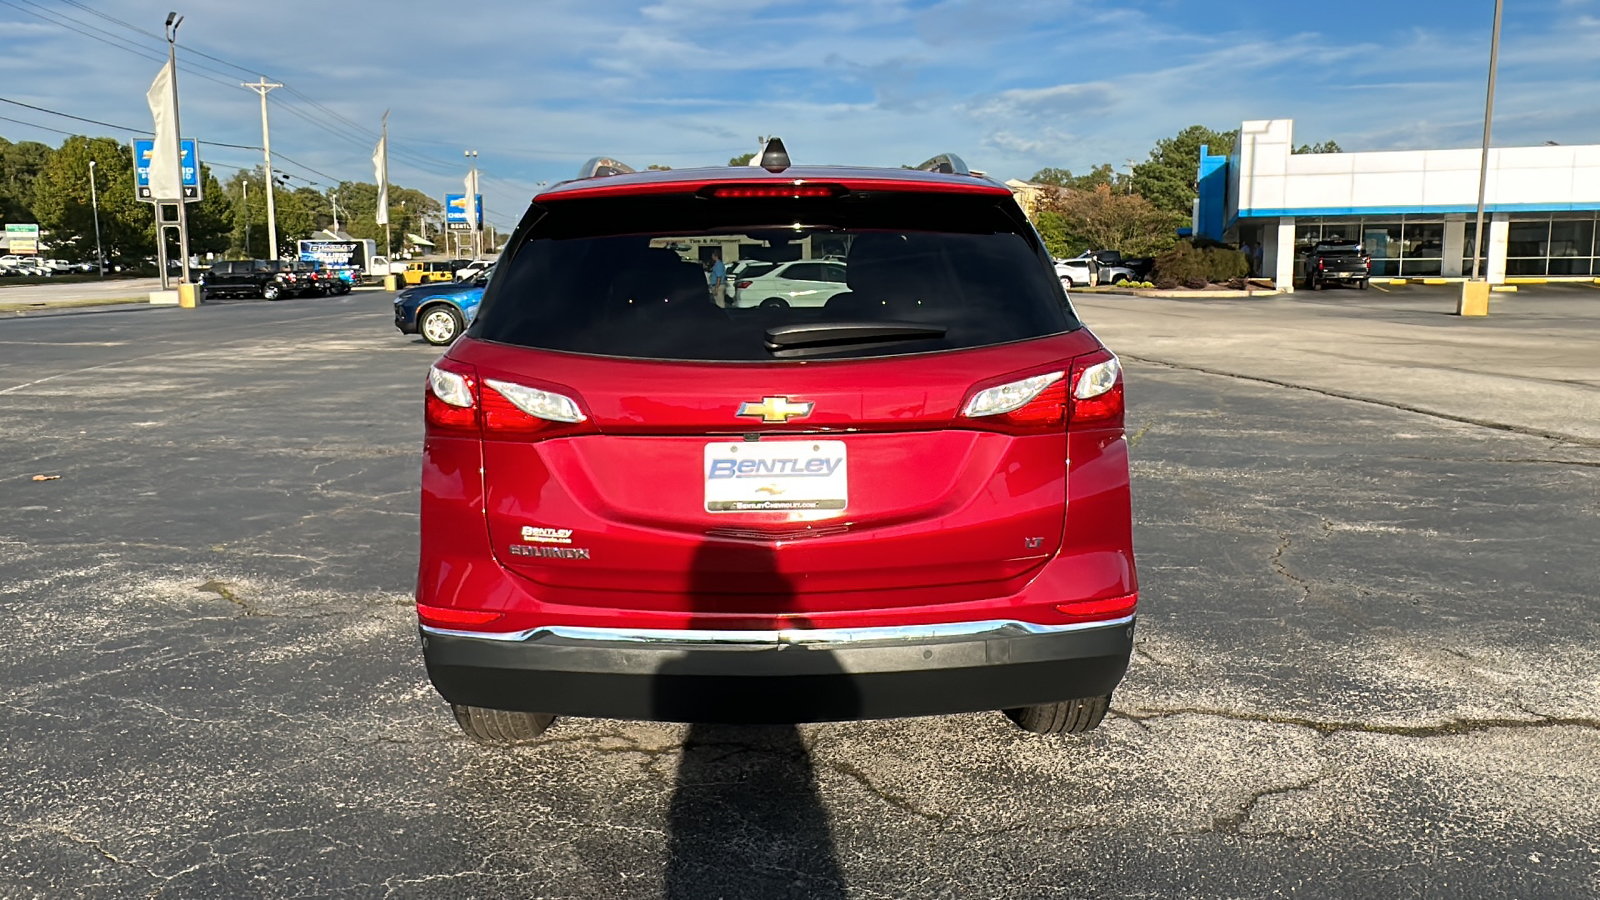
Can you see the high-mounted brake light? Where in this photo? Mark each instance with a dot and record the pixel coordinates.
(765, 191)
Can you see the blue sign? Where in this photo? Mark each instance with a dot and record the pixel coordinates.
(456, 217)
(189, 162)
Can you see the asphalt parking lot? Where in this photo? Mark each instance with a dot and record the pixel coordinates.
(1368, 658)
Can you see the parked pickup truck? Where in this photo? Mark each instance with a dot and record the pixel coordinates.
(266, 278)
(1345, 262)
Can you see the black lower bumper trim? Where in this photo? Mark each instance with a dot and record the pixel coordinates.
(776, 684)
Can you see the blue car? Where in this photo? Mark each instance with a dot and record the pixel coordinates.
(440, 311)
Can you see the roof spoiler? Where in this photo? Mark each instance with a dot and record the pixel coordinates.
(604, 167)
(946, 164)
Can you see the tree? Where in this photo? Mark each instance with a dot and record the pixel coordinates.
(210, 220)
(62, 202)
(1063, 178)
(1103, 219)
(1324, 147)
(1168, 179)
(20, 164)
(742, 159)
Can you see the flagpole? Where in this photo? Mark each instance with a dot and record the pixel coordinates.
(388, 235)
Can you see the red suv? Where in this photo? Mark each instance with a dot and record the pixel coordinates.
(909, 497)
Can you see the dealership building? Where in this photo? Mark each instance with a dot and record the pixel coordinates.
(1414, 211)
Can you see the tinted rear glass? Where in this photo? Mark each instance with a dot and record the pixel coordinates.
(631, 277)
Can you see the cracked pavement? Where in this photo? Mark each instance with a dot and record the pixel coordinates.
(1367, 665)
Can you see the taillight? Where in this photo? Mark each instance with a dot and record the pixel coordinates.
(743, 284)
(1097, 397)
(1030, 403)
(1367, 261)
(452, 398)
(516, 410)
(1319, 265)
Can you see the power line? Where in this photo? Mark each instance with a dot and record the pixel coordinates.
(348, 129)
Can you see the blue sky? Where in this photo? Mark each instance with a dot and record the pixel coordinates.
(537, 87)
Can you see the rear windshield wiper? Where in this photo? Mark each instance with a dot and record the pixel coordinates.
(822, 337)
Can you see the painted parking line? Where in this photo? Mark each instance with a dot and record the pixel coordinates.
(1377, 286)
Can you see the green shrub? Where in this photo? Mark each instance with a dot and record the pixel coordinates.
(1190, 265)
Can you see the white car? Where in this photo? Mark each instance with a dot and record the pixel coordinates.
(1077, 272)
(471, 269)
(804, 282)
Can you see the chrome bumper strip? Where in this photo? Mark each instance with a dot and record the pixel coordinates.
(988, 628)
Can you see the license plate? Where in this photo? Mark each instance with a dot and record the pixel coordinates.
(776, 476)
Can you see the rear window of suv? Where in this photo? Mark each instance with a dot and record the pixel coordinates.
(630, 277)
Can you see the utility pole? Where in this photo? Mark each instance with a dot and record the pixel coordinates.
(388, 235)
(94, 200)
(173, 21)
(244, 201)
(264, 87)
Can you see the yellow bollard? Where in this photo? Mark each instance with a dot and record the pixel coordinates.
(391, 282)
(1474, 299)
(191, 295)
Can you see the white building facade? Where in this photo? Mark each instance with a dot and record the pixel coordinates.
(1414, 210)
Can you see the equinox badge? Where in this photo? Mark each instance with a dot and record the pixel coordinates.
(775, 409)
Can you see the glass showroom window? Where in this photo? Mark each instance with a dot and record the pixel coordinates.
(1572, 246)
(1562, 244)
(1384, 244)
(1422, 248)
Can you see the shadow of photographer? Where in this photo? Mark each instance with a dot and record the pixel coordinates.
(746, 818)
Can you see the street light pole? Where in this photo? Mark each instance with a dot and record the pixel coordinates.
(244, 201)
(1478, 243)
(1475, 292)
(94, 200)
(173, 21)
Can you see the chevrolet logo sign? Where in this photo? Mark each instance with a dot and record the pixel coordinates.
(776, 409)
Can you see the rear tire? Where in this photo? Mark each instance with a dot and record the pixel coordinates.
(774, 303)
(271, 292)
(1067, 717)
(1362, 284)
(499, 727)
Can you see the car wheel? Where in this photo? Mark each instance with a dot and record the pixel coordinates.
(271, 292)
(440, 325)
(1121, 279)
(774, 303)
(1068, 717)
(1316, 284)
(499, 727)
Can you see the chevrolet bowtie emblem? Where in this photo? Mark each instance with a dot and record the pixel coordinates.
(775, 409)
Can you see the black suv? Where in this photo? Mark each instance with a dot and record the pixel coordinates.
(269, 279)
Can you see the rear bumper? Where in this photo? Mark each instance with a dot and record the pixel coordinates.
(784, 676)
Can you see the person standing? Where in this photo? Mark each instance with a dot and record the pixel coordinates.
(718, 279)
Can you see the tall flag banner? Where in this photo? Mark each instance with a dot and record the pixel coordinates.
(166, 177)
(380, 162)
